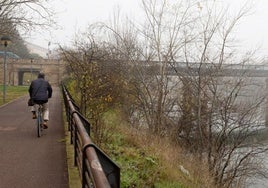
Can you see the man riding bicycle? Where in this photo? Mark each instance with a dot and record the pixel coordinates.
(40, 91)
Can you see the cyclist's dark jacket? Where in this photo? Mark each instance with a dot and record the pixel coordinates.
(40, 91)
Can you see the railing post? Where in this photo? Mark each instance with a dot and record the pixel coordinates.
(96, 170)
(74, 137)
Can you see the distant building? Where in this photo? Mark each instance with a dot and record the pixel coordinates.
(35, 49)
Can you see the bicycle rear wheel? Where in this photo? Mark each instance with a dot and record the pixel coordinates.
(39, 124)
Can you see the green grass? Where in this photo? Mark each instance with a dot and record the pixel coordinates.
(12, 92)
(169, 185)
(140, 166)
(145, 160)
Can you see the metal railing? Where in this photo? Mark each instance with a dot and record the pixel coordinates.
(96, 169)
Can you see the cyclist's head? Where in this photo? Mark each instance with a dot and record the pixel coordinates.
(41, 75)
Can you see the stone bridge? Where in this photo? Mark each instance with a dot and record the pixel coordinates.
(22, 71)
(253, 87)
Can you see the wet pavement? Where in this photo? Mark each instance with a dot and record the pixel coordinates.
(27, 161)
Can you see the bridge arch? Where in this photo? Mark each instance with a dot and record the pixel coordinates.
(22, 71)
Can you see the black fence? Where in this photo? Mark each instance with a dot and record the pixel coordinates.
(95, 168)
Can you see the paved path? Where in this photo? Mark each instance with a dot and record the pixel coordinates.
(27, 161)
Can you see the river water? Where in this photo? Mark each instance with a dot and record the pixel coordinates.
(257, 182)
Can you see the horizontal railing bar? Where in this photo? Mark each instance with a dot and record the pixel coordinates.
(90, 168)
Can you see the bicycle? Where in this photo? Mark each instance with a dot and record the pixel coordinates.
(39, 120)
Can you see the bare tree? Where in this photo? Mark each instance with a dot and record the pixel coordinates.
(173, 71)
(25, 15)
(208, 112)
(147, 51)
(98, 79)
(220, 116)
